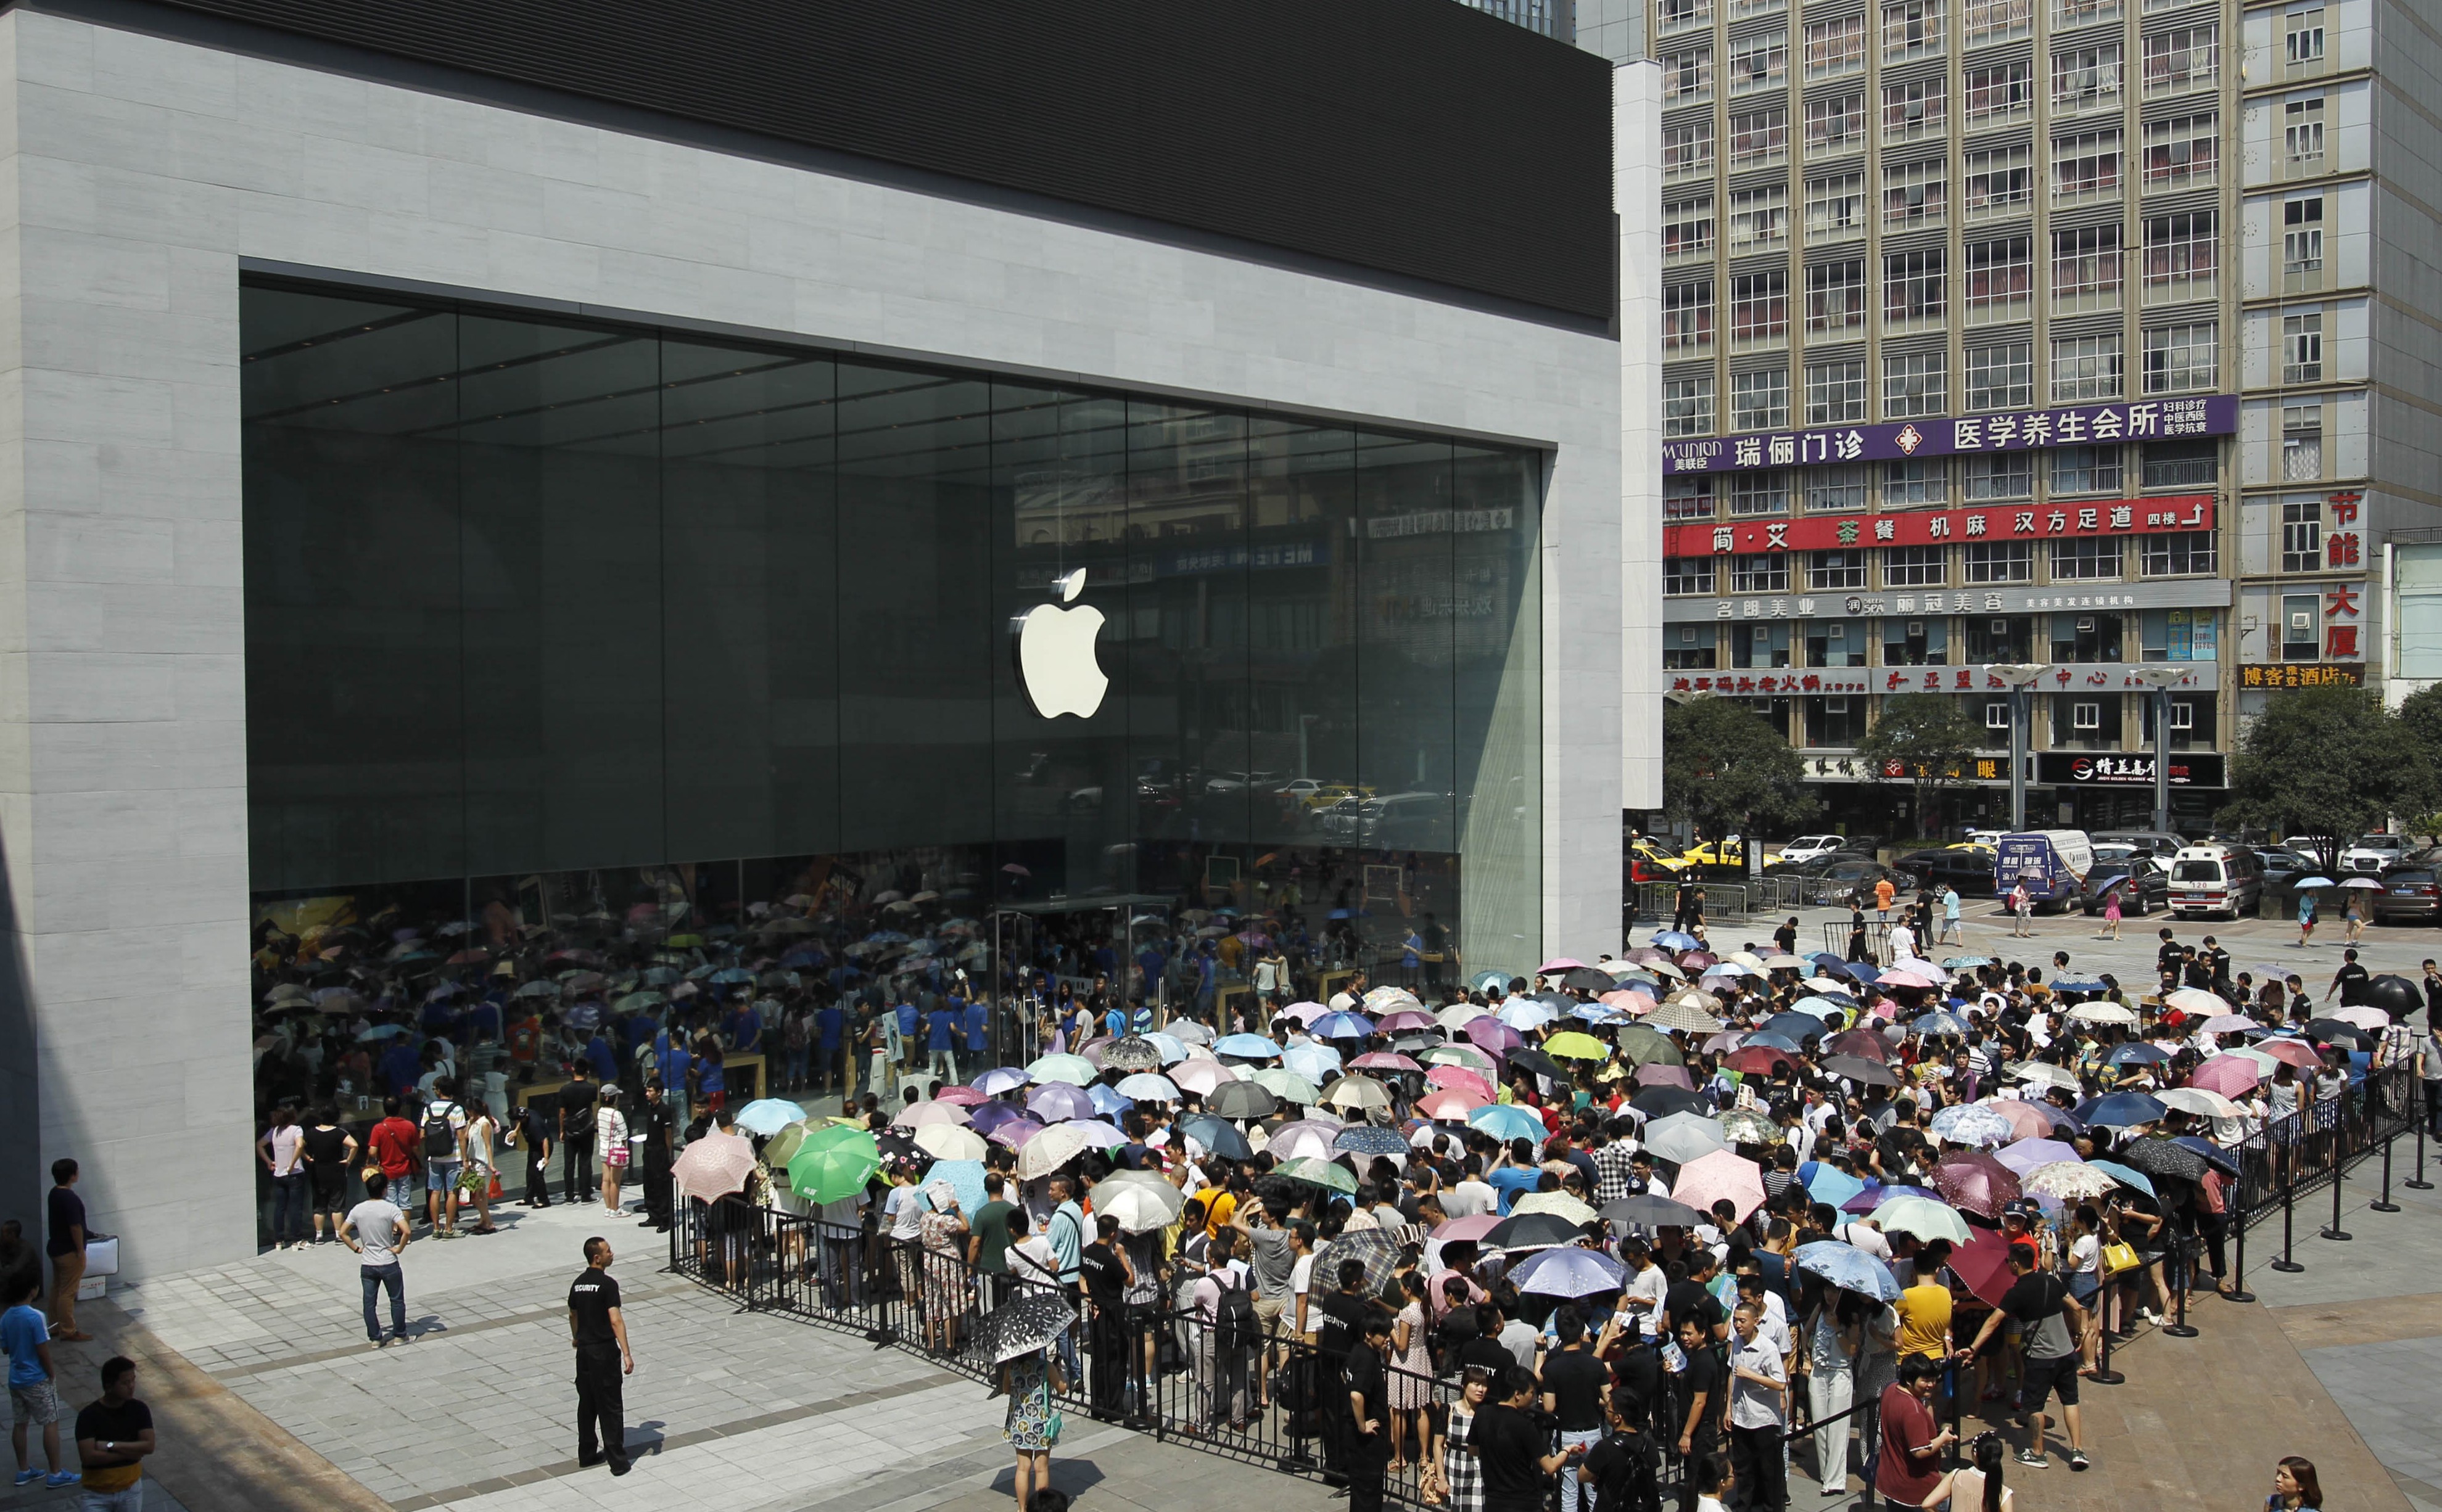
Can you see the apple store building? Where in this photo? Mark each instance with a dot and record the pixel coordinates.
(523, 511)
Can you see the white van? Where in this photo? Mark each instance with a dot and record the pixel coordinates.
(2207, 880)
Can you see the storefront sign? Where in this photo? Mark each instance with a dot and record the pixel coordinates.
(2202, 594)
(2303, 675)
(1440, 522)
(2079, 677)
(1942, 527)
(2143, 420)
(2110, 769)
(1268, 557)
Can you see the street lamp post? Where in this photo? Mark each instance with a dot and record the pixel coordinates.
(2160, 679)
(2021, 677)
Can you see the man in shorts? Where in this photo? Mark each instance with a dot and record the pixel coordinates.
(2054, 1324)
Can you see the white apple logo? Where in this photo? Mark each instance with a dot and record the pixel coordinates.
(1056, 667)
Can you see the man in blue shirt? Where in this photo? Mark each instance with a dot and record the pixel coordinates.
(827, 1023)
(1517, 1179)
(671, 1063)
(940, 1023)
(742, 1032)
(1114, 1021)
(604, 1064)
(979, 1034)
(1066, 1230)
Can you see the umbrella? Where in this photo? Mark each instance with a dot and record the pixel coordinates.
(1366, 1139)
(1403, 1021)
(1303, 1138)
(1975, 1183)
(1377, 1249)
(2314, 882)
(1525, 1013)
(1849, 1268)
(1650, 1211)
(1015, 1132)
(2042, 1073)
(2026, 1157)
(1217, 1135)
(1451, 1103)
(2069, 1180)
(1682, 1138)
(1674, 939)
(1661, 1101)
(2196, 1000)
(1340, 1027)
(925, 1115)
(947, 1141)
(993, 1117)
(1922, 1217)
(1246, 1048)
(1031, 1321)
(1529, 1059)
(1134, 1053)
(1464, 1078)
(1145, 1086)
(998, 1079)
(1828, 1183)
(2361, 882)
(777, 1149)
(2233, 1023)
(1532, 1230)
(1965, 963)
(2373, 1020)
(1559, 1203)
(1314, 1063)
(1570, 1271)
(1201, 1077)
(1746, 1126)
(2127, 1175)
(1470, 1229)
(1356, 1092)
(830, 1164)
(714, 1166)
(1855, 1069)
(1381, 1061)
(2297, 1052)
(1588, 979)
(2212, 1154)
(1720, 1176)
(1666, 1075)
(1799, 1026)
(1242, 1100)
(1984, 1263)
(1576, 1046)
(1928, 1026)
(1284, 1085)
(1057, 1145)
(965, 1178)
(1506, 1122)
(965, 1097)
(2123, 1110)
(1327, 1173)
(2158, 1156)
(1142, 1200)
(1074, 1069)
(2199, 1101)
(1492, 1035)
(2027, 1120)
(2102, 1014)
(2337, 1031)
(1972, 1123)
(1863, 1044)
(2134, 1055)
(1679, 1013)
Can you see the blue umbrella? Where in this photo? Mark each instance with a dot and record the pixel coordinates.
(1484, 981)
(1965, 963)
(1828, 1183)
(1849, 1268)
(1508, 1120)
(2214, 1155)
(2134, 1055)
(769, 1116)
(1149, 1087)
(1822, 1008)
(1772, 1039)
(731, 976)
(1673, 939)
(1568, 1271)
(1936, 1022)
(1246, 1046)
(1332, 1027)
(2124, 1175)
(1794, 1024)
(1318, 1063)
(2314, 882)
(966, 1178)
(381, 1031)
(2123, 1110)
(1107, 1102)
(998, 1079)
(2076, 984)
(1216, 1134)
(1366, 1139)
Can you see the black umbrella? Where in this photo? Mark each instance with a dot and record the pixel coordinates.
(1799, 1027)
(2396, 995)
(1134, 1053)
(1652, 1212)
(1366, 1139)
(1529, 1230)
(1538, 1063)
(1221, 1137)
(1242, 1100)
(1378, 1249)
(1857, 1068)
(2340, 1032)
(1033, 1319)
(1660, 1101)
(1587, 979)
(2158, 1156)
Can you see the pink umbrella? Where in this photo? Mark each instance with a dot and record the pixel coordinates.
(2232, 1076)
(964, 1096)
(1648, 955)
(1475, 1227)
(925, 1115)
(2233, 1023)
(2026, 1155)
(1696, 959)
(1659, 1075)
(1709, 1178)
(1402, 1021)
(1384, 1060)
(1200, 1075)
(1492, 1034)
(1015, 1132)
(2297, 1052)
(1056, 1100)
(1629, 999)
(2372, 1020)
(1460, 1078)
(1905, 976)
(1558, 963)
(1450, 1103)
(1308, 1012)
(2024, 1119)
(713, 1166)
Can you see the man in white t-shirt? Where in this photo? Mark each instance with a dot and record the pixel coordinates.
(1347, 999)
(1861, 1234)
(1470, 1198)
(377, 1231)
(445, 1155)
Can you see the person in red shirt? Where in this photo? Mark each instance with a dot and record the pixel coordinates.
(398, 1147)
(1911, 1466)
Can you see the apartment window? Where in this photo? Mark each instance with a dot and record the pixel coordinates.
(2000, 561)
(1836, 47)
(1842, 568)
(1910, 28)
(1913, 567)
(2302, 536)
(2086, 719)
(2000, 278)
(2183, 58)
(1913, 193)
(1919, 105)
(2066, 13)
(1759, 493)
(1918, 481)
(1998, 92)
(2085, 166)
(1838, 643)
(1760, 62)
(1912, 286)
(1687, 226)
(1683, 575)
(1835, 206)
(1686, 316)
(2086, 470)
(2010, 638)
(1757, 136)
(2000, 376)
(2085, 269)
(1836, 491)
(1758, 401)
(1836, 296)
(1837, 724)
(2181, 253)
(2182, 463)
(2302, 442)
(1996, 20)
(2185, 554)
(1678, 14)
(2299, 612)
(2303, 132)
(1835, 394)
(1916, 641)
(1687, 75)
(1765, 644)
(1687, 496)
(1835, 122)
(2302, 237)
(1759, 217)
(1691, 648)
(2086, 367)
(2181, 153)
(1760, 306)
(1912, 386)
(1687, 406)
(2182, 359)
(2086, 77)
(1688, 147)
(2085, 559)
(2304, 36)
(1997, 182)
(1759, 574)
(2000, 474)
(2302, 347)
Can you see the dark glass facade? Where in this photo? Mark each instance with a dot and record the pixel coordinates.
(549, 619)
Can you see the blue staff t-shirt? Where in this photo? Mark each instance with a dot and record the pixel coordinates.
(22, 1333)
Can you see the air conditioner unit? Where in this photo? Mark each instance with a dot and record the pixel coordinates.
(2086, 625)
(2000, 627)
(1915, 628)
(2303, 620)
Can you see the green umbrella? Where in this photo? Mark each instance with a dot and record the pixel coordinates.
(1288, 1087)
(638, 1002)
(1321, 1173)
(1641, 1045)
(1577, 1047)
(785, 1144)
(832, 1163)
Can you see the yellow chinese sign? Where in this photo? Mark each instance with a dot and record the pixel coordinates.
(2303, 675)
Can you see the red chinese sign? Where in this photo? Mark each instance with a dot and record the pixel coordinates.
(1942, 527)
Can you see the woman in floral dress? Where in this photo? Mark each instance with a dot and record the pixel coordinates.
(942, 1231)
(1028, 1381)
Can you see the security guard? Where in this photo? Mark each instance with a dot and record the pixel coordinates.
(656, 1120)
(599, 1333)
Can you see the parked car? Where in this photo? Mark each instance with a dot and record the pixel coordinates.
(2207, 879)
(2411, 895)
(1656, 858)
(2143, 887)
(2160, 842)
(1807, 848)
(2372, 853)
(1848, 874)
(1967, 871)
(1730, 852)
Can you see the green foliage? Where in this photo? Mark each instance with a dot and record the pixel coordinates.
(2331, 763)
(1725, 768)
(1934, 740)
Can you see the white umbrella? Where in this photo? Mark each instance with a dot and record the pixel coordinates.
(2043, 1072)
(947, 1141)
(2102, 1014)
(1053, 1148)
(2197, 1100)
(2362, 882)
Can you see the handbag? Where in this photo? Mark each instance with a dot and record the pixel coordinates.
(2119, 1256)
(1051, 1429)
(101, 1256)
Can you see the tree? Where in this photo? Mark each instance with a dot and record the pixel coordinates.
(1931, 739)
(2421, 716)
(2326, 764)
(1725, 768)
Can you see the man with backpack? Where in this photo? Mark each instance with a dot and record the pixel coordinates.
(443, 1133)
(1225, 1305)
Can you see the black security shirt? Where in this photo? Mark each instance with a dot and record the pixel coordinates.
(590, 1298)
